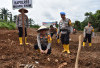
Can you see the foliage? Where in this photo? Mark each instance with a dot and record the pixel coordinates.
(77, 25)
(10, 23)
(4, 14)
(90, 17)
(31, 21)
(9, 26)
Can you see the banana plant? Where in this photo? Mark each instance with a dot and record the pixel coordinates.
(31, 21)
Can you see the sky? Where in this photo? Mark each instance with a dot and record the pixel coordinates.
(48, 10)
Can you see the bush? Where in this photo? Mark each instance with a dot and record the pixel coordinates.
(9, 26)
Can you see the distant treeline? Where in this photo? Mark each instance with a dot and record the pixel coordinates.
(6, 17)
(7, 20)
(90, 17)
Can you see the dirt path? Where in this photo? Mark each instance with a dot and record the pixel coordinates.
(12, 55)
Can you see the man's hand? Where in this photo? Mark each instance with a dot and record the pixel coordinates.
(93, 37)
(46, 51)
(41, 51)
(83, 36)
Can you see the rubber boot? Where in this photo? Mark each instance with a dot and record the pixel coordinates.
(20, 40)
(67, 48)
(26, 41)
(64, 46)
(90, 44)
(83, 43)
(58, 41)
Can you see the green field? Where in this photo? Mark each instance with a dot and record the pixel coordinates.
(10, 26)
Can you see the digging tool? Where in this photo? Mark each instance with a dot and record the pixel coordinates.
(78, 52)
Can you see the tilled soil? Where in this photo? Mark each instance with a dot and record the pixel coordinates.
(12, 55)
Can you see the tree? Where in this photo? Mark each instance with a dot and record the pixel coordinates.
(4, 14)
(94, 18)
(10, 16)
(31, 21)
(77, 25)
(87, 14)
(15, 17)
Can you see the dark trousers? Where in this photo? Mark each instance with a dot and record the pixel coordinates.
(51, 34)
(87, 36)
(65, 38)
(43, 48)
(21, 32)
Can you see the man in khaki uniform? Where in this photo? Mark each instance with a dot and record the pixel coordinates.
(44, 40)
(65, 29)
(20, 26)
(52, 30)
(88, 33)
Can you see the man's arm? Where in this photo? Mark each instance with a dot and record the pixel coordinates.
(49, 42)
(70, 24)
(92, 32)
(27, 21)
(58, 29)
(84, 33)
(71, 28)
(38, 41)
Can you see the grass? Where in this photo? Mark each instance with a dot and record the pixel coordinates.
(10, 26)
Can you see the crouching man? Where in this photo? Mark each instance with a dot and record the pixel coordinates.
(43, 40)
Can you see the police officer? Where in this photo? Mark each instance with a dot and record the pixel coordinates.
(52, 30)
(65, 29)
(43, 40)
(88, 33)
(20, 26)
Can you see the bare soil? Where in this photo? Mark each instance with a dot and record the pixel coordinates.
(12, 55)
